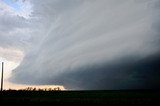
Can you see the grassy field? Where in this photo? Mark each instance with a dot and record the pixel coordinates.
(81, 97)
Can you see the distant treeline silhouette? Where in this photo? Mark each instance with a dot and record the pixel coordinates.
(36, 89)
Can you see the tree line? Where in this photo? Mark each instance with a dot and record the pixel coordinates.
(36, 89)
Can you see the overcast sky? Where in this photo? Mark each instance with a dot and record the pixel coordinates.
(82, 44)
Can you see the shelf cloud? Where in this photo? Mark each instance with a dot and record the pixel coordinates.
(92, 44)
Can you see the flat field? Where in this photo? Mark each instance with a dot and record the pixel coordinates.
(82, 97)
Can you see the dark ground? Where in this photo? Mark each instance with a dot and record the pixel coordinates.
(119, 97)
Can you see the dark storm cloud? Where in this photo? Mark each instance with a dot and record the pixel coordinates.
(93, 44)
(125, 73)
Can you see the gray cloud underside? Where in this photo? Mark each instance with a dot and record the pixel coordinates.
(95, 44)
(11, 28)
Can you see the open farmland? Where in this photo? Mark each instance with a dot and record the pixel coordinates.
(81, 97)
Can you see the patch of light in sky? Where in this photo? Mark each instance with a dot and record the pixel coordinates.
(20, 7)
(13, 4)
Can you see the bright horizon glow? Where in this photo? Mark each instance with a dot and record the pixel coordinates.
(9, 85)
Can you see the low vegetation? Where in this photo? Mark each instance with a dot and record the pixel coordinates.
(36, 89)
